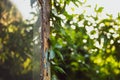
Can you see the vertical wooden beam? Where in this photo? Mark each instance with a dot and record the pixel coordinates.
(45, 32)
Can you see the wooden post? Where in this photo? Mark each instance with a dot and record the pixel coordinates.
(45, 32)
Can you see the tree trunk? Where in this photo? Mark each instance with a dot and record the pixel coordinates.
(45, 32)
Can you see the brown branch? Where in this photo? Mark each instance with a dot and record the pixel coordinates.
(45, 32)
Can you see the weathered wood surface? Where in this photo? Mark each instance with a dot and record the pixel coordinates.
(45, 32)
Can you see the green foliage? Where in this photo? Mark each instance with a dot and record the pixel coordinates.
(87, 44)
(15, 44)
(99, 10)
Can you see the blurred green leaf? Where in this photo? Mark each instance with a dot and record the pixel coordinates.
(100, 9)
(60, 55)
(54, 77)
(52, 54)
(59, 69)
